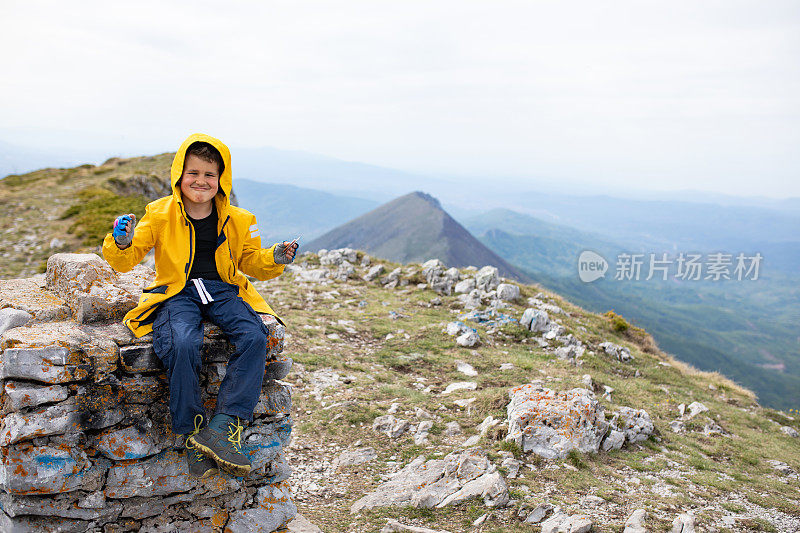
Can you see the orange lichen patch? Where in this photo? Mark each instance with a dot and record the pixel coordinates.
(219, 518)
(26, 295)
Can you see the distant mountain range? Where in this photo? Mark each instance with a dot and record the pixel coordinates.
(285, 211)
(414, 228)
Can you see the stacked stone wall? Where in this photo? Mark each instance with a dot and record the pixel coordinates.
(85, 436)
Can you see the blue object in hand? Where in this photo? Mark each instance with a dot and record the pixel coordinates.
(120, 226)
(120, 232)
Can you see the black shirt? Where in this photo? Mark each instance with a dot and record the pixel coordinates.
(205, 243)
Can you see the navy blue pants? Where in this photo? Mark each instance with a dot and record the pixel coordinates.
(178, 338)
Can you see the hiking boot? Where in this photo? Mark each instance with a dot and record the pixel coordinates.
(199, 465)
(221, 440)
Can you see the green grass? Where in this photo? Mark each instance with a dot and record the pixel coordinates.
(95, 210)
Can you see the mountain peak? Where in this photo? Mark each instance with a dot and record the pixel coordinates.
(419, 195)
(413, 228)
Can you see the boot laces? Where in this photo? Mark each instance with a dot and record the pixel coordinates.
(235, 434)
(189, 446)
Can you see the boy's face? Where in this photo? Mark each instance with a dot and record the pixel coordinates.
(199, 181)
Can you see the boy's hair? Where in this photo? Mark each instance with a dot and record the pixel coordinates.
(206, 152)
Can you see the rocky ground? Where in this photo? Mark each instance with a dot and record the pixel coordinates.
(430, 399)
(403, 380)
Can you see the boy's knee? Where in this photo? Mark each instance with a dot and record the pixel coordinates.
(256, 337)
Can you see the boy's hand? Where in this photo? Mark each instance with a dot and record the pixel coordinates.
(123, 230)
(284, 252)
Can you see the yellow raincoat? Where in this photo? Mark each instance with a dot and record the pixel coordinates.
(166, 227)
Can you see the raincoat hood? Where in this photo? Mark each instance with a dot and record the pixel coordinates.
(225, 179)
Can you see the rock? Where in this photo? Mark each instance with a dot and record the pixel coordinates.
(695, 408)
(55, 506)
(569, 353)
(635, 423)
(622, 353)
(439, 279)
(472, 441)
(539, 304)
(561, 522)
(94, 500)
(468, 339)
(538, 514)
(275, 508)
(13, 318)
(466, 369)
(586, 379)
(683, 523)
(27, 295)
(488, 423)
(456, 328)
(92, 289)
(354, 457)
(300, 524)
(56, 243)
(487, 278)
(392, 277)
(464, 286)
(460, 385)
(506, 366)
(422, 414)
(542, 421)
(390, 426)
(635, 522)
(614, 440)
(365, 261)
(48, 470)
(472, 300)
(781, 467)
(374, 272)
(53, 420)
(432, 265)
(421, 435)
(337, 257)
(440, 482)
(452, 428)
(465, 402)
(129, 443)
(393, 526)
(677, 426)
(790, 431)
(345, 271)
(507, 292)
(160, 475)
(512, 466)
(314, 275)
(535, 320)
(712, 428)
(21, 395)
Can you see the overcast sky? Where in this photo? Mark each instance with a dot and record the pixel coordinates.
(650, 95)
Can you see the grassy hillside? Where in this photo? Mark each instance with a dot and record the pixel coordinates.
(53, 210)
(362, 348)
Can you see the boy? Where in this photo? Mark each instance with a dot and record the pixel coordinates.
(204, 246)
